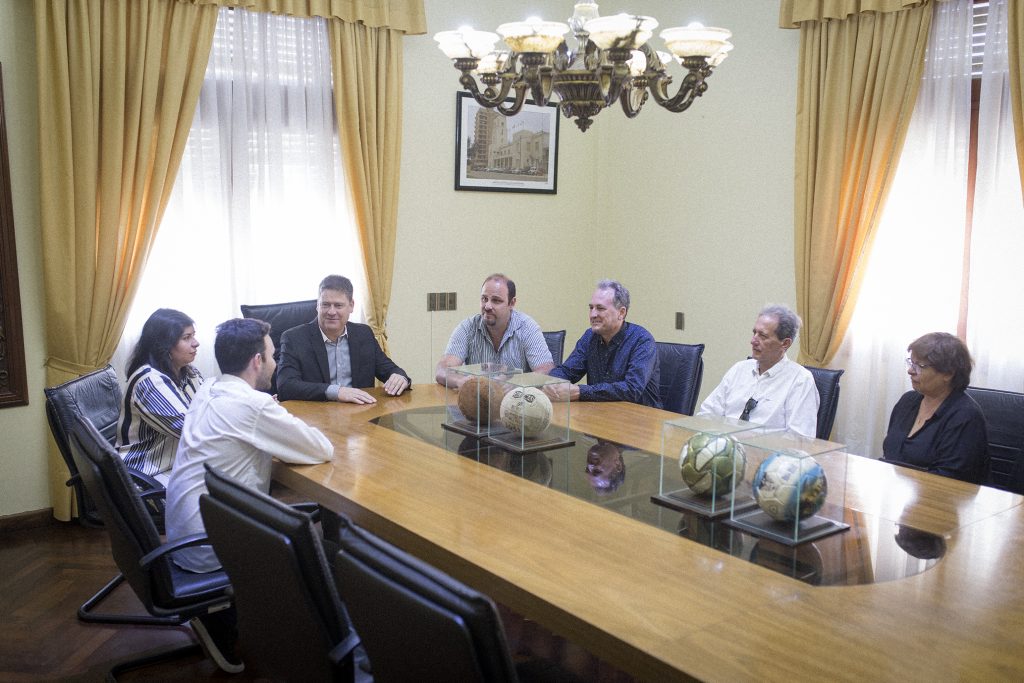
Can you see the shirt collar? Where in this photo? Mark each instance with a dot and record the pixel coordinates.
(775, 369)
(617, 337)
(327, 340)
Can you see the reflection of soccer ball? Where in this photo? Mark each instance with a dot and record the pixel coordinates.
(786, 484)
(707, 463)
(526, 409)
(480, 397)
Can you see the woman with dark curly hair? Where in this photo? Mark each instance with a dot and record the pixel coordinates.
(937, 427)
(161, 384)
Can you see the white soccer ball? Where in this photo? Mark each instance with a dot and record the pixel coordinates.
(526, 410)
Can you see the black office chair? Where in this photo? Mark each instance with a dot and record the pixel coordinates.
(827, 381)
(290, 618)
(170, 594)
(1004, 419)
(682, 371)
(282, 317)
(96, 396)
(556, 344)
(416, 623)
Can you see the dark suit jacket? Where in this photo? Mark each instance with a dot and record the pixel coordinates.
(304, 373)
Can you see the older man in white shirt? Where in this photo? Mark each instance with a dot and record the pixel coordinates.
(768, 388)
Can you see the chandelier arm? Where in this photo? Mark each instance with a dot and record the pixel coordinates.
(618, 85)
(513, 108)
(637, 92)
(489, 97)
(539, 81)
(692, 87)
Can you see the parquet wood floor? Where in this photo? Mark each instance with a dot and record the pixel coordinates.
(46, 573)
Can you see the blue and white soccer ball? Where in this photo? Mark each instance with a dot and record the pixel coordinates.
(708, 461)
(787, 485)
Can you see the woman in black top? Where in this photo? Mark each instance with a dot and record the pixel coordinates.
(937, 427)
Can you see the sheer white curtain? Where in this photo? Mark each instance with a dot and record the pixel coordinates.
(915, 276)
(995, 319)
(260, 209)
(913, 281)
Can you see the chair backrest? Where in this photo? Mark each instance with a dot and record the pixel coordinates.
(416, 623)
(556, 344)
(827, 381)
(162, 587)
(1004, 420)
(682, 371)
(289, 614)
(282, 317)
(96, 396)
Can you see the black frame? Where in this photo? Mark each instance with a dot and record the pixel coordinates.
(497, 181)
(13, 379)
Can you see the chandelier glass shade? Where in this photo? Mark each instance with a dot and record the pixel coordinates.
(611, 59)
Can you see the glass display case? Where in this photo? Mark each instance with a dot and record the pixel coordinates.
(533, 414)
(473, 402)
(700, 459)
(795, 489)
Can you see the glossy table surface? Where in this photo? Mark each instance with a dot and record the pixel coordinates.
(662, 606)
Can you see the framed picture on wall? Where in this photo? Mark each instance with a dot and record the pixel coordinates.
(498, 153)
(13, 380)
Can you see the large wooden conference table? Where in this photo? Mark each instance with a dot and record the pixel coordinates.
(663, 607)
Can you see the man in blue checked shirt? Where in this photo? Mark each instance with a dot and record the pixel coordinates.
(619, 358)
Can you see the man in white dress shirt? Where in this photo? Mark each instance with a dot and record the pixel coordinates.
(235, 427)
(768, 388)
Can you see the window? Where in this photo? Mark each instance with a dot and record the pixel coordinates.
(944, 254)
(260, 209)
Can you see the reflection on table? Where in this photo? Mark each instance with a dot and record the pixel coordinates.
(651, 601)
(623, 479)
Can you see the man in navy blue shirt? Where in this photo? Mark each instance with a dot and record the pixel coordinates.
(619, 358)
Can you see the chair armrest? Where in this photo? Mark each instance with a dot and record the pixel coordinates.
(177, 544)
(153, 493)
(311, 509)
(144, 481)
(344, 648)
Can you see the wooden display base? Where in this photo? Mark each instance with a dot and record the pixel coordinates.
(685, 500)
(811, 529)
(470, 428)
(510, 441)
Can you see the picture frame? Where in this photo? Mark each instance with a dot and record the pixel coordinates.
(13, 377)
(498, 153)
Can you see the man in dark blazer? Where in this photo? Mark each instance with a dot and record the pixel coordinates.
(332, 359)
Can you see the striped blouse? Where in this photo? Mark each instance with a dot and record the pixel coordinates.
(152, 414)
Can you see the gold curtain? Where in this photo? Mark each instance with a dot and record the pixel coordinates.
(367, 68)
(119, 81)
(858, 82)
(793, 13)
(1015, 15)
(400, 15)
(366, 63)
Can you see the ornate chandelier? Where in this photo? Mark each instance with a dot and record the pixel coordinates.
(611, 61)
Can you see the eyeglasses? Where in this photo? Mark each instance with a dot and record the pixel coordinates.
(915, 366)
(750, 405)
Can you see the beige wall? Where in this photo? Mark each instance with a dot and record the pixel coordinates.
(23, 430)
(698, 208)
(450, 241)
(692, 211)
